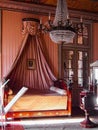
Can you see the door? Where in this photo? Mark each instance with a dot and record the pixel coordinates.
(74, 62)
(75, 68)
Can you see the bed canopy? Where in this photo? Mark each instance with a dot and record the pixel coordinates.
(30, 67)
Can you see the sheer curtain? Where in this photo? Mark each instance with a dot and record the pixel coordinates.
(37, 76)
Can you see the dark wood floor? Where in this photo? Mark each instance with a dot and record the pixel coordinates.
(76, 111)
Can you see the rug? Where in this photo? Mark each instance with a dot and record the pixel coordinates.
(58, 124)
(12, 127)
(72, 126)
(63, 123)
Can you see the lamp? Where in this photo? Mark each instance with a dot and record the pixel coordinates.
(61, 28)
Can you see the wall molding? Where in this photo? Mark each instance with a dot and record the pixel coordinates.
(44, 9)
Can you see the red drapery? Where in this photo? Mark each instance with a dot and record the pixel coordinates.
(39, 77)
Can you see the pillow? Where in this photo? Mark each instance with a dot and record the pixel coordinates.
(58, 90)
(60, 84)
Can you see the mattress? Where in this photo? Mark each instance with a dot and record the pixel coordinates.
(40, 102)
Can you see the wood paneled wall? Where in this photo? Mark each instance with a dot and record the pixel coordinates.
(95, 41)
(12, 39)
(0, 45)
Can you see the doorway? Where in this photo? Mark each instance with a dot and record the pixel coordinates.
(74, 62)
(75, 69)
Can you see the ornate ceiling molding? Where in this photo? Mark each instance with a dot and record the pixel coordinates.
(85, 15)
(26, 7)
(44, 9)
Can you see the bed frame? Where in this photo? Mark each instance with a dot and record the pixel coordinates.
(13, 114)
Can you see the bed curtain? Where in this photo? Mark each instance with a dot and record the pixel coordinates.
(38, 76)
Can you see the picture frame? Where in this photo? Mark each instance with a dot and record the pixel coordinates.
(31, 64)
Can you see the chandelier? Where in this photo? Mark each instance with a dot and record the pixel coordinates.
(61, 28)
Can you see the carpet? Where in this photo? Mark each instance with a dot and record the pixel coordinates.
(12, 127)
(60, 127)
(58, 124)
(63, 123)
(72, 126)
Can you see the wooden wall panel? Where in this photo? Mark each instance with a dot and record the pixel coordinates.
(12, 38)
(95, 41)
(0, 45)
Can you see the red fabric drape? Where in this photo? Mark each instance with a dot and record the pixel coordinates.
(40, 77)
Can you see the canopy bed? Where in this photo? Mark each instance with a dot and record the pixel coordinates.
(46, 96)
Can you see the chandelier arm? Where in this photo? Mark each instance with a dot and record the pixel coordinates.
(61, 29)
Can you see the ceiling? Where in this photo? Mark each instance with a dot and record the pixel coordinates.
(82, 5)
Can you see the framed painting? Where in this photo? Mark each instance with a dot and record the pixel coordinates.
(31, 64)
